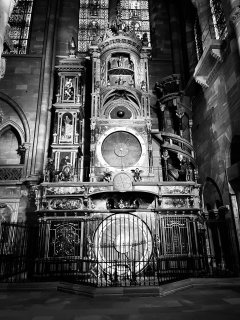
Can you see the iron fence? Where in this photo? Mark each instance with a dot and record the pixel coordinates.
(117, 250)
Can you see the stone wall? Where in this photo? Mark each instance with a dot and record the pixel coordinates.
(216, 119)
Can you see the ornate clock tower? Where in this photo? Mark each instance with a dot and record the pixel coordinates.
(139, 201)
(121, 145)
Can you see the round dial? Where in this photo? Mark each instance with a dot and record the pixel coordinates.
(122, 182)
(121, 149)
(123, 244)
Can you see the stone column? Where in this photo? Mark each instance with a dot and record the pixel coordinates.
(235, 18)
(46, 89)
(6, 7)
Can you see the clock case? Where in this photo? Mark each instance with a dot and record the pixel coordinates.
(120, 111)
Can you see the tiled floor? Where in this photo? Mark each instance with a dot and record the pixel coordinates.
(194, 303)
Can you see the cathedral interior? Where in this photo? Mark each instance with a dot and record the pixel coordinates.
(119, 140)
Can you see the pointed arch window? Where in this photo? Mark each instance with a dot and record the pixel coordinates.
(19, 27)
(136, 13)
(198, 38)
(219, 21)
(93, 19)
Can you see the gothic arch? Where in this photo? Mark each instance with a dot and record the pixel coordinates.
(20, 113)
(11, 124)
(133, 96)
(110, 106)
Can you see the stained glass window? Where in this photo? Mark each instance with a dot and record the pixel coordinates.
(135, 14)
(219, 21)
(198, 38)
(93, 20)
(19, 23)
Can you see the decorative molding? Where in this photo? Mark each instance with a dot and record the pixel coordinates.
(65, 204)
(64, 190)
(15, 126)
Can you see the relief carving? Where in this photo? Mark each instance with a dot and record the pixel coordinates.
(64, 204)
(65, 190)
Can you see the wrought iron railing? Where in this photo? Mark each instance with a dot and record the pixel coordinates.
(117, 250)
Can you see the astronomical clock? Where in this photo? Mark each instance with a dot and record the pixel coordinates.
(120, 124)
(118, 192)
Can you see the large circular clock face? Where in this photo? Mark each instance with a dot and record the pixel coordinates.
(121, 149)
(123, 244)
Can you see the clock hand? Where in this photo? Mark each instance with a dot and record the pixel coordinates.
(122, 181)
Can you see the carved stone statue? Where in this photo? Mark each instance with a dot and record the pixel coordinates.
(67, 128)
(49, 171)
(137, 175)
(66, 170)
(68, 89)
(107, 175)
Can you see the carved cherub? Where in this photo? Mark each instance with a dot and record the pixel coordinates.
(107, 175)
(137, 174)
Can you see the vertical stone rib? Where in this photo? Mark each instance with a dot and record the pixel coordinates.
(45, 90)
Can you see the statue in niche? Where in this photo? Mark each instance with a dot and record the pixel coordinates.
(120, 62)
(110, 203)
(65, 168)
(130, 65)
(143, 86)
(67, 128)
(49, 171)
(189, 173)
(120, 81)
(121, 204)
(183, 169)
(21, 151)
(145, 39)
(68, 89)
(113, 63)
(131, 82)
(97, 86)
